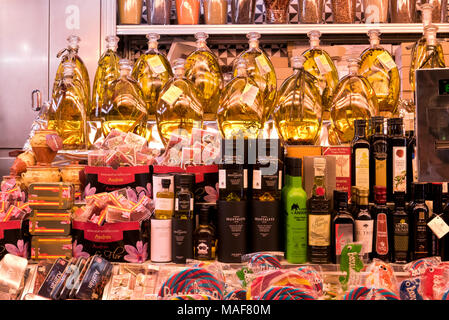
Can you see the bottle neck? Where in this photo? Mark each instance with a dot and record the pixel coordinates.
(359, 132)
(378, 128)
(395, 129)
(294, 181)
(201, 44)
(204, 219)
(314, 43)
(254, 44)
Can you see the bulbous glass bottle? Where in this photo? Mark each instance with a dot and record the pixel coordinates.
(298, 108)
(240, 113)
(378, 66)
(127, 111)
(152, 71)
(80, 71)
(179, 108)
(203, 70)
(319, 64)
(68, 111)
(354, 98)
(261, 70)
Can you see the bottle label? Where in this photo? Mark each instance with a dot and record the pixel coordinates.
(245, 178)
(438, 227)
(421, 237)
(232, 179)
(364, 234)
(257, 179)
(262, 64)
(165, 204)
(322, 64)
(265, 182)
(156, 64)
(280, 180)
(401, 236)
(161, 241)
(248, 97)
(362, 167)
(172, 94)
(415, 165)
(203, 249)
(381, 172)
(297, 234)
(222, 179)
(344, 234)
(386, 60)
(382, 234)
(319, 230)
(184, 204)
(399, 169)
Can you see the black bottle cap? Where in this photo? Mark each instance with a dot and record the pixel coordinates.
(359, 123)
(184, 179)
(399, 199)
(293, 166)
(204, 209)
(419, 191)
(340, 199)
(437, 197)
(166, 183)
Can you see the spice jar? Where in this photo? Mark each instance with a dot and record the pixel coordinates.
(439, 12)
(215, 11)
(41, 149)
(311, 11)
(276, 11)
(376, 11)
(343, 11)
(158, 11)
(36, 174)
(130, 11)
(243, 11)
(188, 11)
(403, 11)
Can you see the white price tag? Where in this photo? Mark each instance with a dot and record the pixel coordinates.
(257, 180)
(156, 64)
(171, 95)
(222, 179)
(438, 226)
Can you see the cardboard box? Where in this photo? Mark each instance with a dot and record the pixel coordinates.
(280, 62)
(49, 226)
(44, 247)
(343, 166)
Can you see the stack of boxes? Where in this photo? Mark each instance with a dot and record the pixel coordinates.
(50, 222)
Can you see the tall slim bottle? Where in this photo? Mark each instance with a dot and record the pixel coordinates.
(436, 244)
(420, 216)
(364, 225)
(203, 70)
(378, 155)
(68, 113)
(294, 200)
(319, 217)
(342, 231)
(360, 150)
(397, 158)
(382, 225)
(412, 160)
(401, 230)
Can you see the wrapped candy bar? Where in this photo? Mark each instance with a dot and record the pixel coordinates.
(381, 275)
(97, 158)
(137, 142)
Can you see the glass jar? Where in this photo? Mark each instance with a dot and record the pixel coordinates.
(276, 11)
(376, 11)
(243, 11)
(403, 11)
(343, 11)
(439, 12)
(158, 11)
(130, 11)
(188, 11)
(215, 11)
(311, 11)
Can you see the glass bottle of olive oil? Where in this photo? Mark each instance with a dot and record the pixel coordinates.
(298, 108)
(127, 111)
(378, 66)
(179, 109)
(203, 70)
(261, 70)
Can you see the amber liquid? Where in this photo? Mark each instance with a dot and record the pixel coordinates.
(386, 83)
(203, 70)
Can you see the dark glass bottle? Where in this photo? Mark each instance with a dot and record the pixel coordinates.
(184, 197)
(360, 155)
(420, 216)
(204, 239)
(382, 222)
(342, 231)
(232, 172)
(378, 155)
(436, 244)
(364, 224)
(401, 230)
(352, 207)
(396, 158)
(412, 169)
(319, 217)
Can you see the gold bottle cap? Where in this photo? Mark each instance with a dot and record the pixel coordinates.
(112, 42)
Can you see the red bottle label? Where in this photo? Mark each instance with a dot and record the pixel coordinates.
(381, 234)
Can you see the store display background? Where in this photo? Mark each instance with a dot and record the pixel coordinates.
(227, 53)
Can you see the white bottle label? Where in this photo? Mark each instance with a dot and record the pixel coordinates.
(386, 60)
(172, 94)
(164, 204)
(399, 169)
(262, 64)
(245, 178)
(161, 240)
(248, 97)
(319, 230)
(280, 180)
(322, 64)
(364, 234)
(156, 64)
(257, 180)
(221, 179)
(362, 167)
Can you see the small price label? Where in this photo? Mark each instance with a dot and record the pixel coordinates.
(156, 64)
(262, 63)
(171, 95)
(322, 64)
(248, 97)
(386, 60)
(438, 226)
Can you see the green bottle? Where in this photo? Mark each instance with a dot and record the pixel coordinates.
(294, 200)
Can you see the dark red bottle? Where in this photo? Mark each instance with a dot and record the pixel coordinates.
(382, 225)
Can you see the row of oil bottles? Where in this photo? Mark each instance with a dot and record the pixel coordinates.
(124, 95)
